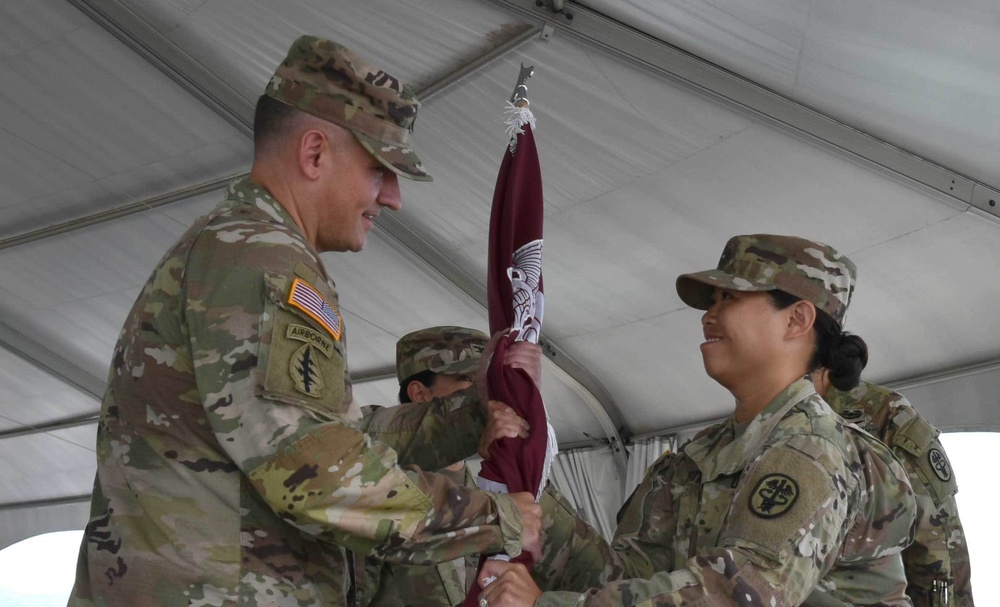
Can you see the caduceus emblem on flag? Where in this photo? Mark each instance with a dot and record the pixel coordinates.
(516, 302)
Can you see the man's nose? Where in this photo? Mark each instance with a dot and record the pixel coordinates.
(388, 194)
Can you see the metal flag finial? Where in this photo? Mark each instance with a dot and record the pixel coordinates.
(519, 96)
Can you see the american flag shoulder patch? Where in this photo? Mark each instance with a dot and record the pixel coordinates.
(306, 298)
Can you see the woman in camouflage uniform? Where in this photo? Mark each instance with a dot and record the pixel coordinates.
(779, 501)
(937, 567)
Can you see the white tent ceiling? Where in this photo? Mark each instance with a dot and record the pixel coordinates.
(664, 127)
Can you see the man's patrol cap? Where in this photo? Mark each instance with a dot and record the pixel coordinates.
(328, 80)
(450, 350)
(809, 270)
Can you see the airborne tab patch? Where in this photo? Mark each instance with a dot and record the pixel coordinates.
(773, 496)
(306, 298)
(310, 336)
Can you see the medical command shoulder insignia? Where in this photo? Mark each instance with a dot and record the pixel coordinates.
(773, 496)
(939, 463)
(306, 298)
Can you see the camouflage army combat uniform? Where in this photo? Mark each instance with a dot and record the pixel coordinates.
(791, 503)
(228, 472)
(937, 563)
(232, 469)
(442, 350)
(441, 585)
(757, 517)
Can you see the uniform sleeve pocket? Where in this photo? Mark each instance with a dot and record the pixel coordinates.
(301, 362)
(919, 440)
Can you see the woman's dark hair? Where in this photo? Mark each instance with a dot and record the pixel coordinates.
(843, 354)
(425, 377)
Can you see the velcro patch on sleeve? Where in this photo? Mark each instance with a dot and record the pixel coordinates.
(305, 297)
(937, 474)
(778, 500)
(917, 441)
(303, 361)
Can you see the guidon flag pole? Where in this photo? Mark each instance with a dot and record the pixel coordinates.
(516, 301)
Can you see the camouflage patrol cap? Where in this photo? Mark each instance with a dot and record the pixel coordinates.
(806, 269)
(450, 350)
(327, 80)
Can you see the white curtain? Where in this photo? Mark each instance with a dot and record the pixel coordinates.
(590, 481)
(642, 453)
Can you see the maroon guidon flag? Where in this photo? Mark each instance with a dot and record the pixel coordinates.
(514, 288)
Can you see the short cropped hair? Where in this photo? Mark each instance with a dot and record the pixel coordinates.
(271, 120)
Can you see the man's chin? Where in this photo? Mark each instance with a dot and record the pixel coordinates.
(342, 247)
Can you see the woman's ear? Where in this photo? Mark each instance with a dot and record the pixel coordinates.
(418, 392)
(801, 318)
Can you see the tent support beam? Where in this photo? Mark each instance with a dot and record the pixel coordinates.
(216, 94)
(118, 212)
(720, 84)
(58, 501)
(50, 362)
(62, 424)
(122, 23)
(899, 385)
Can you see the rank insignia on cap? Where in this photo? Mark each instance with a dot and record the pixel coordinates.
(773, 496)
(939, 463)
(306, 298)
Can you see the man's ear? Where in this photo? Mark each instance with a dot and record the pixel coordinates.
(801, 318)
(311, 146)
(418, 392)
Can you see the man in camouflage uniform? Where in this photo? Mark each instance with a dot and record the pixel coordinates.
(232, 467)
(435, 363)
(757, 512)
(937, 565)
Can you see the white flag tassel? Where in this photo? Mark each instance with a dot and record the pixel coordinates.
(517, 114)
(515, 117)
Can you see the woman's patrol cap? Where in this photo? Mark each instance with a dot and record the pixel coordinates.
(809, 270)
(329, 81)
(450, 350)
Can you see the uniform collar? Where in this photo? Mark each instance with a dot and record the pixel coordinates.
(721, 452)
(245, 191)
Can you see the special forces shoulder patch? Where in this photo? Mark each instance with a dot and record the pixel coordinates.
(774, 495)
(939, 464)
(303, 365)
(303, 360)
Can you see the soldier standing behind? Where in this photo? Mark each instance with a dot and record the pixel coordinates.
(938, 571)
(436, 363)
(779, 500)
(232, 469)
